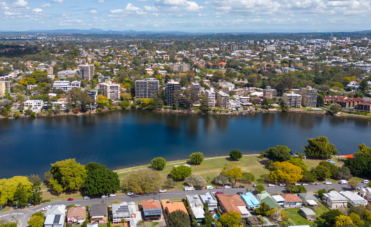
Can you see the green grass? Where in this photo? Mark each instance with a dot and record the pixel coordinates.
(214, 70)
(321, 208)
(5, 209)
(154, 224)
(294, 216)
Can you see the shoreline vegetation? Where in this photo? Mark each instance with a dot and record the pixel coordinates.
(198, 112)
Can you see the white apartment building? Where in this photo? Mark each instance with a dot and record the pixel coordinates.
(66, 73)
(210, 94)
(34, 105)
(111, 91)
(86, 71)
(292, 100)
(4, 87)
(65, 85)
(62, 104)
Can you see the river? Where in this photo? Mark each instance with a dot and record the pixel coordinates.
(127, 138)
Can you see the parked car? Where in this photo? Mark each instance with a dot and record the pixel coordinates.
(365, 181)
(70, 199)
(241, 186)
(189, 188)
(86, 197)
(227, 186)
(255, 185)
(328, 182)
(209, 187)
(318, 183)
(234, 186)
(282, 185)
(219, 192)
(270, 185)
(104, 196)
(198, 188)
(343, 182)
(239, 193)
(112, 195)
(162, 191)
(130, 194)
(219, 187)
(140, 193)
(297, 184)
(44, 209)
(360, 187)
(304, 184)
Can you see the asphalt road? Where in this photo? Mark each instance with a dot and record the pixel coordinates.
(25, 214)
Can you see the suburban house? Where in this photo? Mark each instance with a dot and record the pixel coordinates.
(279, 199)
(234, 203)
(307, 213)
(354, 199)
(250, 200)
(264, 196)
(98, 213)
(366, 193)
(54, 220)
(76, 215)
(291, 200)
(129, 212)
(151, 209)
(308, 199)
(169, 207)
(56, 209)
(196, 206)
(210, 200)
(334, 200)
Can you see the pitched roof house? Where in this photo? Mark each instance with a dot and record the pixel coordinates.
(197, 207)
(291, 200)
(233, 203)
(98, 213)
(76, 215)
(334, 199)
(354, 199)
(308, 199)
(264, 196)
(152, 209)
(250, 200)
(128, 211)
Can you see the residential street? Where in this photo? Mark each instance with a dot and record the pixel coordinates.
(25, 214)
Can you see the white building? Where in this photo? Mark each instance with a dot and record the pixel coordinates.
(65, 85)
(31, 86)
(354, 199)
(334, 200)
(196, 205)
(34, 105)
(210, 94)
(66, 73)
(366, 193)
(210, 199)
(54, 220)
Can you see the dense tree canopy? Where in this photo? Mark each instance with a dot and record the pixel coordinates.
(343, 173)
(320, 148)
(321, 172)
(232, 171)
(197, 158)
(195, 180)
(221, 180)
(330, 217)
(17, 188)
(142, 181)
(298, 162)
(231, 218)
(278, 153)
(333, 168)
(286, 172)
(158, 163)
(363, 150)
(179, 219)
(235, 154)
(359, 165)
(100, 180)
(180, 172)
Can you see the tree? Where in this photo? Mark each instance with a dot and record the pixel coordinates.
(342, 220)
(308, 177)
(333, 168)
(235, 154)
(197, 158)
(205, 106)
(158, 163)
(363, 150)
(232, 171)
(277, 215)
(36, 221)
(363, 85)
(356, 219)
(263, 209)
(360, 165)
(321, 172)
(320, 148)
(142, 181)
(36, 194)
(231, 218)
(353, 184)
(321, 192)
(100, 180)
(259, 188)
(283, 105)
(221, 180)
(278, 153)
(179, 219)
(170, 183)
(286, 172)
(330, 217)
(320, 100)
(248, 176)
(208, 218)
(336, 108)
(343, 173)
(195, 180)
(102, 101)
(298, 162)
(67, 175)
(296, 189)
(180, 172)
(125, 96)
(14, 189)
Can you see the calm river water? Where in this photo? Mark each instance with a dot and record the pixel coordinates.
(128, 138)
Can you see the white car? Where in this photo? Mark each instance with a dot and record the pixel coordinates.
(104, 196)
(44, 209)
(282, 185)
(86, 197)
(227, 186)
(304, 184)
(297, 184)
(130, 194)
(270, 185)
(112, 195)
(48, 207)
(365, 181)
(162, 191)
(328, 182)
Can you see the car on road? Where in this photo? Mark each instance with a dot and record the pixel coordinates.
(219, 192)
(328, 182)
(239, 193)
(86, 197)
(219, 187)
(360, 187)
(129, 194)
(255, 185)
(198, 188)
(304, 184)
(365, 181)
(270, 185)
(209, 187)
(297, 184)
(104, 196)
(227, 186)
(112, 195)
(44, 209)
(282, 185)
(234, 186)
(70, 199)
(241, 186)
(343, 182)
(140, 193)
(318, 183)
(162, 191)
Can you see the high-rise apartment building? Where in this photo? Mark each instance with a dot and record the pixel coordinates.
(146, 88)
(292, 100)
(49, 70)
(179, 67)
(86, 71)
(309, 97)
(269, 93)
(171, 87)
(196, 86)
(210, 95)
(4, 87)
(111, 91)
(222, 100)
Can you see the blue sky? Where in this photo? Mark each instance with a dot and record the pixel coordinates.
(186, 15)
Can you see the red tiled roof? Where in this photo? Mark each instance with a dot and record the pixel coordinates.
(151, 204)
(334, 97)
(291, 198)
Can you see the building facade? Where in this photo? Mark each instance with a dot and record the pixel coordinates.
(146, 88)
(111, 91)
(309, 97)
(292, 100)
(269, 93)
(171, 87)
(86, 71)
(222, 100)
(210, 95)
(4, 87)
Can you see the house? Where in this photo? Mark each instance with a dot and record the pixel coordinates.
(54, 220)
(76, 215)
(197, 207)
(56, 209)
(334, 199)
(250, 200)
(366, 193)
(169, 207)
(308, 199)
(354, 199)
(264, 196)
(292, 200)
(233, 203)
(307, 213)
(34, 105)
(128, 211)
(152, 209)
(210, 200)
(98, 213)
(279, 199)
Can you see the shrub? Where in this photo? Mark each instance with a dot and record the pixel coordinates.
(197, 158)
(248, 176)
(125, 104)
(99, 110)
(179, 219)
(235, 154)
(16, 114)
(76, 110)
(45, 201)
(221, 179)
(33, 114)
(195, 180)
(259, 188)
(180, 172)
(158, 163)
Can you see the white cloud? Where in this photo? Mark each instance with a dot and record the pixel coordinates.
(93, 11)
(142, 0)
(20, 3)
(131, 7)
(101, 1)
(56, 1)
(187, 5)
(116, 11)
(37, 10)
(150, 8)
(47, 5)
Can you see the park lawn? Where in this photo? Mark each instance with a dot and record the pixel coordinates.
(214, 70)
(294, 216)
(5, 209)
